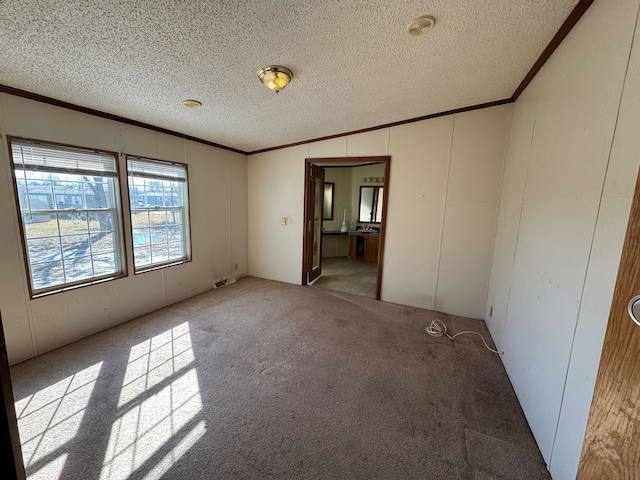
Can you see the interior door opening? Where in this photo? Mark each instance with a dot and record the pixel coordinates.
(345, 223)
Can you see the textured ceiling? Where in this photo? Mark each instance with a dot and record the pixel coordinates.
(354, 65)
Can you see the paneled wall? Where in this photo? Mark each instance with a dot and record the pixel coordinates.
(217, 191)
(563, 213)
(443, 193)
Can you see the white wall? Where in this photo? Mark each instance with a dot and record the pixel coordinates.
(342, 178)
(275, 183)
(562, 220)
(217, 191)
(443, 192)
(337, 245)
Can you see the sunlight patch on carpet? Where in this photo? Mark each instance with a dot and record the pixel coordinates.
(53, 469)
(178, 451)
(50, 418)
(158, 403)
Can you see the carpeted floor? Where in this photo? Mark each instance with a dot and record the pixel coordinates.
(262, 379)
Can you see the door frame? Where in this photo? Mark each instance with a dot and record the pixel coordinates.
(11, 463)
(346, 162)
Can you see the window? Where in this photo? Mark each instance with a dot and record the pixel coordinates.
(159, 212)
(69, 210)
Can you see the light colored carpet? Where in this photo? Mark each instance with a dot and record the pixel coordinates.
(262, 379)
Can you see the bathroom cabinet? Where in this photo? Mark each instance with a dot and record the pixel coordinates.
(364, 246)
(335, 244)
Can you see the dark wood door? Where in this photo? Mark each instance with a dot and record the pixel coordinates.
(611, 448)
(11, 464)
(314, 222)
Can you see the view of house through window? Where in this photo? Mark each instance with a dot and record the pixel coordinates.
(159, 212)
(69, 209)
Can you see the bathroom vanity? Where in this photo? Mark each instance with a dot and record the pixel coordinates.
(364, 246)
(334, 244)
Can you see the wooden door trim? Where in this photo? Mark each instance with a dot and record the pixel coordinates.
(305, 234)
(315, 173)
(11, 463)
(347, 161)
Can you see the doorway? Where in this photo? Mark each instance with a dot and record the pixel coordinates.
(345, 223)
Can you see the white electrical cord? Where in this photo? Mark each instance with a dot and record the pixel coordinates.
(438, 329)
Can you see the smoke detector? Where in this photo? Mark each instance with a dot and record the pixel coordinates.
(420, 25)
(189, 103)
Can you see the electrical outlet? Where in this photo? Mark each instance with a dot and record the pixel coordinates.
(236, 266)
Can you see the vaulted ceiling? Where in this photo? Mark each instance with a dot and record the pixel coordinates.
(354, 65)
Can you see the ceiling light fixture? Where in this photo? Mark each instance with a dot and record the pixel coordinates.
(275, 77)
(420, 25)
(192, 103)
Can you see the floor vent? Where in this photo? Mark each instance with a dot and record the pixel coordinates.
(223, 282)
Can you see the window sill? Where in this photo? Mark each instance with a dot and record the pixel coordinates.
(151, 268)
(68, 288)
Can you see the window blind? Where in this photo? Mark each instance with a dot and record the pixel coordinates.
(53, 158)
(156, 169)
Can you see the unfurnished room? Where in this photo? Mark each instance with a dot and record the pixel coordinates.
(295, 239)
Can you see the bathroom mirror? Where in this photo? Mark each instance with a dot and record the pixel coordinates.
(370, 210)
(328, 201)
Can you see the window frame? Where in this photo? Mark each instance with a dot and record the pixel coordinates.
(120, 250)
(184, 208)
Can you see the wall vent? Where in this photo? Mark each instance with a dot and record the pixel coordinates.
(224, 281)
